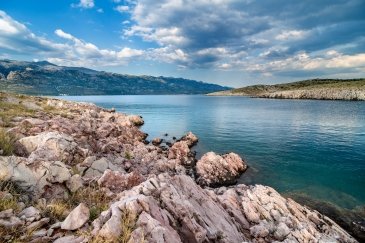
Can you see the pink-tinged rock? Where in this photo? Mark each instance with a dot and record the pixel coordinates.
(156, 141)
(77, 218)
(215, 170)
(117, 181)
(180, 150)
(190, 139)
(136, 120)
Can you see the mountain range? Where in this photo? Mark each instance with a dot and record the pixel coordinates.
(45, 78)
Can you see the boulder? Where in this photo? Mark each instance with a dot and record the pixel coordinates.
(50, 146)
(35, 177)
(30, 214)
(136, 120)
(157, 141)
(190, 139)
(74, 183)
(77, 218)
(216, 170)
(117, 181)
(180, 151)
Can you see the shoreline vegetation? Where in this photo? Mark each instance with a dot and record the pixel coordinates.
(75, 172)
(319, 89)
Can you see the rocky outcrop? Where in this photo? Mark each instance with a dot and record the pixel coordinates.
(319, 94)
(39, 179)
(216, 170)
(175, 209)
(87, 174)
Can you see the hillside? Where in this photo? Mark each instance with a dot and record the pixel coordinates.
(328, 89)
(44, 78)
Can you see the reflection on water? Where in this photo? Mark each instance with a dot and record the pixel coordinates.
(316, 148)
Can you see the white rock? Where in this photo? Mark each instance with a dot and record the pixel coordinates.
(77, 218)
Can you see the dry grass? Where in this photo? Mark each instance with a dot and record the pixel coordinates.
(9, 201)
(6, 143)
(57, 210)
(128, 155)
(10, 110)
(94, 197)
(127, 224)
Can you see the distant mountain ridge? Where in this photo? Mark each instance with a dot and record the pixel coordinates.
(320, 89)
(45, 78)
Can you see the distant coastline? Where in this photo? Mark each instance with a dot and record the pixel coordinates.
(318, 89)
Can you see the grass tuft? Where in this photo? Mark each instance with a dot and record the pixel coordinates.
(6, 143)
(128, 224)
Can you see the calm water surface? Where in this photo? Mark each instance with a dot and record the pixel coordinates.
(315, 148)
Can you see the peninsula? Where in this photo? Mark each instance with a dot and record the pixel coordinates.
(319, 89)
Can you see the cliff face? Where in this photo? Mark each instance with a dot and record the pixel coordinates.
(80, 173)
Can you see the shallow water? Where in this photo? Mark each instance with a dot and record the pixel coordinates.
(316, 148)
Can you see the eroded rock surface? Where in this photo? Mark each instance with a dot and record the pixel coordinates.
(216, 170)
(174, 208)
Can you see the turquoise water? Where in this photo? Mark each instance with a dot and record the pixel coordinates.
(316, 148)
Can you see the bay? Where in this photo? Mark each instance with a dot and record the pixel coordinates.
(299, 147)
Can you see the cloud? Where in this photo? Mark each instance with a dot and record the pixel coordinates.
(291, 35)
(122, 8)
(255, 37)
(16, 38)
(84, 4)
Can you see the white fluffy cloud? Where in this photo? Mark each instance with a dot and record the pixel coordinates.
(16, 37)
(122, 8)
(84, 4)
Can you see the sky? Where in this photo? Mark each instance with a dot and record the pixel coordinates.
(228, 42)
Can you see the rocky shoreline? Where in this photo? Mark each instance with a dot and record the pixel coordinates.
(75, 172)
(309, 94)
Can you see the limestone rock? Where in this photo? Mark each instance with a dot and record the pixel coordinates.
(34, 177)
(70, 239)
(190, 138)
(214, 169)
(6, 213)
(77, 218)
(74, 183)
(30, 214)
(12, 222)
(50, 146)
(117, 181)
(174, 209)
(157, 141)
(136, 120)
